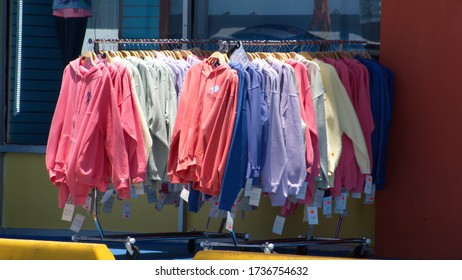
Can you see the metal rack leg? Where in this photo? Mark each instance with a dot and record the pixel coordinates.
(95, 214)
(339, 225)
(222, 225)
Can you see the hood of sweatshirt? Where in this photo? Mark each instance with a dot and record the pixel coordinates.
(84, 69)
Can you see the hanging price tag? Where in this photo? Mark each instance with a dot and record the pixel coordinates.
(278, 225)
(356, 195)
(139, 188)
(312, 213)
(133, 193)
(302, 191)
(68, 212)
(77, 223)
(151, 194)
(87, 204)
(248, 187)
(341, 201)
(184, 194)
(318, 198)
(214, 212)
(126, 210)
(255, 196)
(160, 203)
(107, 206)
(368, 185)
(327, 206)
(370, 198)
(240, 57)
(106, 196)
(229, 221)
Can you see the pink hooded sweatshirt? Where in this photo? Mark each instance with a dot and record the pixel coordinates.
(130, 120)
(86, 135)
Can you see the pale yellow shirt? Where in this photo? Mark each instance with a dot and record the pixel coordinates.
(341, 118)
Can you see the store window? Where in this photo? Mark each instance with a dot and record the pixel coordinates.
(34, 63)
(34, 67)
(286, 20)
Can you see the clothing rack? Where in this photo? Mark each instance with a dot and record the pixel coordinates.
(312, 45)
(268, 246)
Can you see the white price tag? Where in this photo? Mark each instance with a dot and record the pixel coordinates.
(302, 191)
(214, 212)
(229, 221)
(240, 57)
(248, 187)
(370, 198)
(341, 201)
(68, 212)
(87, 204)
(184, 194)
(160, 203)
(126, 210)
(107, 206)
(151, 194)
(368, 185)
(356, 195)
(278, 225)
(327, 206)
(106, 196)
(312, 215)
(139, 188)
(318, 198)
(255, 196)
(77, 223)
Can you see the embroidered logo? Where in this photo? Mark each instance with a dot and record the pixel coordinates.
(88, 97)
(214, 89)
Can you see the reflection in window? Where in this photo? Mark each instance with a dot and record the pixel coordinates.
(284, 20)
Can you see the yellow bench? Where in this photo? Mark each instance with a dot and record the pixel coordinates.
(17, 249)
(237, 255)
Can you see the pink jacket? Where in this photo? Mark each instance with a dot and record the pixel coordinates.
(86, 135)
(203, 127)
(362, 103)
(355, 80)
(130, 120)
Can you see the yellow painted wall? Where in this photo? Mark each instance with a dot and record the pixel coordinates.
(30, 201)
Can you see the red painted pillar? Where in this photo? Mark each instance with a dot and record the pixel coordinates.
(419, 213)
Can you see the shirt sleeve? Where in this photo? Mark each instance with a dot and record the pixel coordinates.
(349, 124)
(275, 155)
(292, 129)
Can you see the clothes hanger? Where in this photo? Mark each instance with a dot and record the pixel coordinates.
(219, 57)
(280, 56)
(90, 56)
(107, 56)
